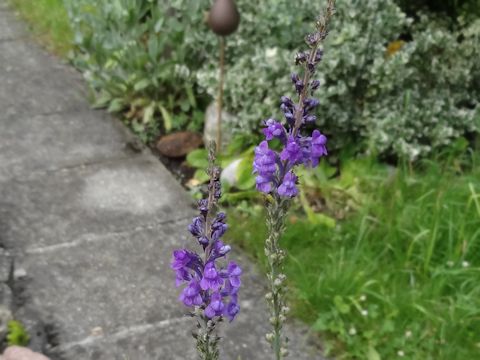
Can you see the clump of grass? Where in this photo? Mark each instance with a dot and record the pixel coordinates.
(49, 22)
(399, 276)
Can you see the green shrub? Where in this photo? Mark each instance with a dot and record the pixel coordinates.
(467, 9)
(385, 95)
(132, 55)
(391, 86)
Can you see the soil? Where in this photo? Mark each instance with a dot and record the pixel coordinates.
(177, 166)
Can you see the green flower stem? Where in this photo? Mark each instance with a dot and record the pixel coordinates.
(207, 340)
(276, 214)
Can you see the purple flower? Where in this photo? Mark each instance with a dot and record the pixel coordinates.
(288, 187)
(319, 148)
(221, 249)
(288, 108)
(232, 308)
(274, 130)
(263, 184)
(265, 166)
(292, 152)
(216, 306)
(301, 58)
(190, 296)
(180, 259)
(264, 162)
(197, 226)
(211, 278)
(310, 104)
(315, 85)
(182, 262)
(234, 271)
(219, 227)
(203, 206)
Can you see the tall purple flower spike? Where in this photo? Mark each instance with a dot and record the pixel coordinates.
(275, 173)
(275, 169)
(212, 284)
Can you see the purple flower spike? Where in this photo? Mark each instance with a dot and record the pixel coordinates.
(234, 272)
(190, 296)
(216, 306)
(288, 188)
(211, 279)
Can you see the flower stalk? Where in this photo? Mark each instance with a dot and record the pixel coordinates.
(275, 169)
(276, 213)
(211, 282)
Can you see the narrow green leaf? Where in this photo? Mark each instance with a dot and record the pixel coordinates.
(167, 119)
(141, 85)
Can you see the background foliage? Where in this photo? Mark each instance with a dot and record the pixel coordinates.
(396, 275)
(133, 56)
(393, 85)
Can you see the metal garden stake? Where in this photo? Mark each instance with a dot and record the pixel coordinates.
(223, 19)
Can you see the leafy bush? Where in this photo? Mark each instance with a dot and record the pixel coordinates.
(380, 92)
(390, 85)
(132, 54)
(467, 9)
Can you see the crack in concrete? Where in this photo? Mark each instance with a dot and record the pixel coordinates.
(124, 333)
(92, 238)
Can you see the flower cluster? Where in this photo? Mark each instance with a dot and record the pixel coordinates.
(210, 285)
(274, 169)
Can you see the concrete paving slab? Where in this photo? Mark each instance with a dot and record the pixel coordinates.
(113, 297)
(60, 207)
(52, 142)
(10, 27)
(26, 57)
(35, 83)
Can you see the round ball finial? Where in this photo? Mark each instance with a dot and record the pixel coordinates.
(223, 17)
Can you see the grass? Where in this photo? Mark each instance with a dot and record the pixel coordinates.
(49, 22)
(398, 276)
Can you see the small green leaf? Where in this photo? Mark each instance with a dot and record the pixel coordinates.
(116, 105)
(201, 176)
(167, 119)
(341, 306)
(141, 85)
(148, 113)
(373, 354)
(320, 325)
(198, 159)
(246, 180)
